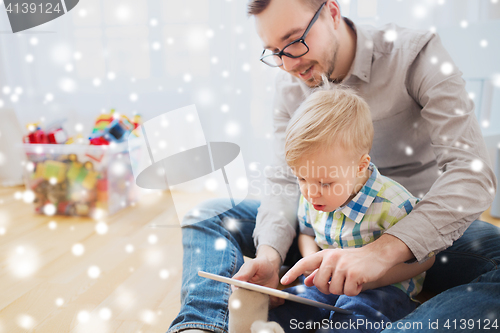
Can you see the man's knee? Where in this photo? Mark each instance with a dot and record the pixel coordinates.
(206, 210)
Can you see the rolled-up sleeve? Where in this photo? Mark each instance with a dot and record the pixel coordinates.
(277, 215)
(465, 187)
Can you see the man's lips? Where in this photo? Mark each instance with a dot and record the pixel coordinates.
(306, 74)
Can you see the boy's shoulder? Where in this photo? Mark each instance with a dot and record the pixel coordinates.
(394, 193)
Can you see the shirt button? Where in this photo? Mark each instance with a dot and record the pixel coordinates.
(335, 244)
(367, 238)
(431, 254)
(338, 215)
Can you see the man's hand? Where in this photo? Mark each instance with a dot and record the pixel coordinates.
(263, 270)
(344, 271)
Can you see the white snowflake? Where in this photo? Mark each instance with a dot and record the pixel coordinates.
(49, 209)
(105, 313)
(446, 68)
(52, 225)
(220, 244)
(101, 228)
(419, 11)
(25, 321)
(477, 165)
(235, 304)
(464, 24)
(390, 35)
(59, 301)
(409, 151)
(77, 249)
(29, 58)
(164, 274)
(156, 46)
(133, 97)
(483, 43)
(93, 272)
(83, 316)
(129, 248)
(232, 128)
(152, 239)
(444, 259)
(496, 80)
(224, 108)
(148, 316)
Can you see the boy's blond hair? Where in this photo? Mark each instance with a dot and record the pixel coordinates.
(328, 117)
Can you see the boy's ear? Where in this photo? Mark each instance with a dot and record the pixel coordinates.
(364, 162)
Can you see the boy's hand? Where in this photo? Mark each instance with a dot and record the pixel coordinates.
(339, 271)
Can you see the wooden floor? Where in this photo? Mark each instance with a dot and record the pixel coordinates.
(44, 287)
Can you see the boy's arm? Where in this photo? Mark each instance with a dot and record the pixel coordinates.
(399, 273)
(307, 245)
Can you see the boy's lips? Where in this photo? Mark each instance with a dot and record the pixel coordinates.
(319, 207)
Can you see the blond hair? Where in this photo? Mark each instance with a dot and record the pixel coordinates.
(329, 116)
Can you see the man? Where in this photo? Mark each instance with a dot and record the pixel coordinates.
(426, 137)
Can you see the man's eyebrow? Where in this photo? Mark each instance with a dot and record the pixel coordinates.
(285, 37)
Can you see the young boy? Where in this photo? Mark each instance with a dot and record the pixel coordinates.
(345, 203)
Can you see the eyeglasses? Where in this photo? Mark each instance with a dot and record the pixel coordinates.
(295, 49)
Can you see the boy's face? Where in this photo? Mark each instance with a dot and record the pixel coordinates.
(329, 178)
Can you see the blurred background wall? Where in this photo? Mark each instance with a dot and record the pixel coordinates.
(153, 56)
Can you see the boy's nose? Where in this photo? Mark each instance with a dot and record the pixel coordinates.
(313, 191)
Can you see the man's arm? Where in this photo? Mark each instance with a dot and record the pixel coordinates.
(277, 216)
(466, 186)
(399, 273)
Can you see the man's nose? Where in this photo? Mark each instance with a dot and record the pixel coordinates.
(289, 63)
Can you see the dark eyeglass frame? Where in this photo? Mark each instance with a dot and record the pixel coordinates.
(302, 38)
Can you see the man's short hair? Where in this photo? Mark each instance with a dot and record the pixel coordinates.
(329, 116)
(255, 7)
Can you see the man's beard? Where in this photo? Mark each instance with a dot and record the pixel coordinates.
(318, 81)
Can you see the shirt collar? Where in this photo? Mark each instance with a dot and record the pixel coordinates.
(362, 64)
(357, 207)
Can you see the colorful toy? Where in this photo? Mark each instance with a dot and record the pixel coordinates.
(54, 134)
(111, 127)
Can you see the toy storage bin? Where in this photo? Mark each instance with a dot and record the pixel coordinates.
(81, 180)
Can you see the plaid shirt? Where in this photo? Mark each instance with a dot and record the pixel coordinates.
(378, 206)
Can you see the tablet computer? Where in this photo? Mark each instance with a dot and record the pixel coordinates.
(272, 292)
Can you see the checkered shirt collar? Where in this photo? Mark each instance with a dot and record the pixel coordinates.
(357, 207)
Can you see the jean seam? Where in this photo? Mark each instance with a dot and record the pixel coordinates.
(476, 256)
(194, 325)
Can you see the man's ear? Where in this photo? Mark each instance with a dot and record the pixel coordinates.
(334, 12)
(364, 162)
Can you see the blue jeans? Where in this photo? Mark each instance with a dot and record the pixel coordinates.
(372, 309)
(468, 278)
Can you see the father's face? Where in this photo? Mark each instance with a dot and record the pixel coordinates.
(284, 21)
